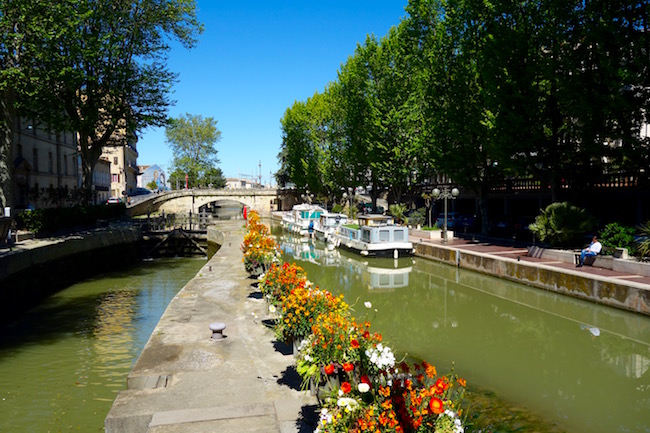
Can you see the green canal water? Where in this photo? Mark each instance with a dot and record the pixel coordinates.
(63, 363)
(577, 366)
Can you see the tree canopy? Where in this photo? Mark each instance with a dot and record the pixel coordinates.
(192, 140)
(554, 91)
(96, 67)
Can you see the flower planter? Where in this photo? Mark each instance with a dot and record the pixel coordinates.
(325, 387)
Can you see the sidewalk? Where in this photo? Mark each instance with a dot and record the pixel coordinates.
(521, 254)
(622, 283)
(185, 381)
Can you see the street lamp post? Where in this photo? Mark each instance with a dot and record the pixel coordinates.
(445, 194)
(347, 197)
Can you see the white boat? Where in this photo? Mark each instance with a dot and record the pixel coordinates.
(298, 219)
(375, 235)
(328, 225)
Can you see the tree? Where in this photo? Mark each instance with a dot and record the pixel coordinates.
(213, 177)
(192, 140)
(97, 67)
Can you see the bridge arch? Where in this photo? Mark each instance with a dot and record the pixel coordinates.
(190, 200)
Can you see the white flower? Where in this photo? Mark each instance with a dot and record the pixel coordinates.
(364, 387)
(367, 304)
(381, 356)
(458, 426)
(272, 309)
(349, 404)
(325, 417)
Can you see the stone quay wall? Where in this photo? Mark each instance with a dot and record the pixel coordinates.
(35, 269)
(616, 293)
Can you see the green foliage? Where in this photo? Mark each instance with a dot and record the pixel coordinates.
(615, 235)
(481, 92)
(417, 217)
(563, 225)
(152, 185)
(337, 208)
(96, 67)
(213, 177)
(398, 210)
(192, 140)
(54, 220)
(30, 220)
(643, 246)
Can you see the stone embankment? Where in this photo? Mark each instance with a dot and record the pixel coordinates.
(618, 283)
(186, 381)
(33, 269)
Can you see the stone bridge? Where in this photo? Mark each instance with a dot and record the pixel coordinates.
(191, 200)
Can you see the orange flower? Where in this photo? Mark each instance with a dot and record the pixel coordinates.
(348, 366)
(436, 405)
(429, 369)
(354, 343)
(346, 387)
(462, 382)
(329, 369)
(441, 386)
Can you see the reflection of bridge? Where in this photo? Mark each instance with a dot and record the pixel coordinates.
(190, 200)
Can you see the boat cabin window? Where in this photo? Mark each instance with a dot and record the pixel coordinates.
(398, 235)
(384, 235)
(365, 235)
(306, 215)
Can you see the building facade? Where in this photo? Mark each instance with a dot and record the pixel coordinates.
(46, 170)
(241, 183)
(102, 181)
(123, 169)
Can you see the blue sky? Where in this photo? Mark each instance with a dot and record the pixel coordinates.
(254, 59)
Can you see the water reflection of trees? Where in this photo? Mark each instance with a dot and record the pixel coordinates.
(527, 343)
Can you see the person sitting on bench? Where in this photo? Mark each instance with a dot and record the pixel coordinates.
(591, 251)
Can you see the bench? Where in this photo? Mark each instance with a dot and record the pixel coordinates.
(607, 252)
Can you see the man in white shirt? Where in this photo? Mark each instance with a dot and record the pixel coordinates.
(592, 250)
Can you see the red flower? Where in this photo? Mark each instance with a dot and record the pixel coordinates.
(441, 386)
(329, 369)
(354, 343)
(436, 406)
(346, 387)
(348, 366)
(365, 379)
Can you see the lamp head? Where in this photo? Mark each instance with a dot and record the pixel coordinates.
(436, 192)
(455, 192)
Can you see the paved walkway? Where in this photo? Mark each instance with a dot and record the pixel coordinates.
(186, 382)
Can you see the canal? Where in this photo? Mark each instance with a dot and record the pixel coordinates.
(578, 366)
(63, 363)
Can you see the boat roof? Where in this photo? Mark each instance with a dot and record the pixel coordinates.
(376, 217)
(307, 206)
(333, 215)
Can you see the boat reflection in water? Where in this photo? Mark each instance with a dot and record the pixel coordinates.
(386, 274)
(580, 366)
